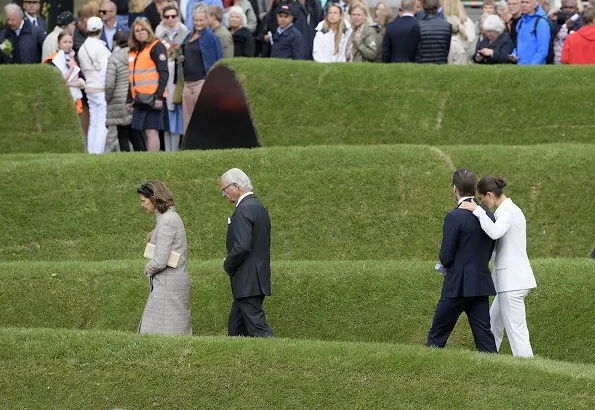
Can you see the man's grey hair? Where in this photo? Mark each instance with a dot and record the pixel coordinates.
(408, 5)
(493, 23)
(14, 8)
(238, 177)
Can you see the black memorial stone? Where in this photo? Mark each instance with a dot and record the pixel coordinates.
(221, 118)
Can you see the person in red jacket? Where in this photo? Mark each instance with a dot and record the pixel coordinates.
(579, 47)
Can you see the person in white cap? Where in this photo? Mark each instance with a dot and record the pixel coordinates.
(93, 56)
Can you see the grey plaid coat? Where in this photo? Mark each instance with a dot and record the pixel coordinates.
(168, 307)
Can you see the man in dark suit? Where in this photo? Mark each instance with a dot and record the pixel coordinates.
(465, 253)
(248, 261)
(25, 38)
(111, 26)
(402, 36)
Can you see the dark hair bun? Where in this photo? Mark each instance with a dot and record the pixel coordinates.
(500, 182)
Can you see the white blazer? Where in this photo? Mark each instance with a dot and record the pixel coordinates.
(512, 270)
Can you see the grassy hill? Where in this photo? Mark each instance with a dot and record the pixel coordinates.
(363, 301)
(65, 369)
(38, 113)
(326, 203)
(305, 103)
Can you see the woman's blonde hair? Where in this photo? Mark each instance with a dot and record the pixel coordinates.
(135, 45)
(158, 194)
(389, 14)
(359, 5)
(455, 8)
(340, 30)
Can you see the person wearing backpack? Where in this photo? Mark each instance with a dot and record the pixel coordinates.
(533, 35)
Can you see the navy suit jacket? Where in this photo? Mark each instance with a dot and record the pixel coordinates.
(400, 40)
(119, 28)
(248, 261)
(465, 253)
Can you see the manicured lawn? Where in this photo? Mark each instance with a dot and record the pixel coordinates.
(70, 369)
(366, 301)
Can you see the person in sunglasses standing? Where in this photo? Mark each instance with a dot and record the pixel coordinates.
(248, 261)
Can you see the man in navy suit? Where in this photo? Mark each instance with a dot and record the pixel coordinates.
(402, 36)
(111, 26)
(248, 261)
(465, 253)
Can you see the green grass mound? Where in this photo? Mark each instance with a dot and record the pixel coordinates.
(366, 301)
(305, 103)
(58, 369)
(38, 113)
(326, 203)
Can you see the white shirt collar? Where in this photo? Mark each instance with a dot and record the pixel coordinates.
(18, 32)
(407, 14)
(242, 197)
(462, 199)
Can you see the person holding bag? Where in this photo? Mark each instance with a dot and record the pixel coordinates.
(147, 63)
(168, 306)
(172, 34)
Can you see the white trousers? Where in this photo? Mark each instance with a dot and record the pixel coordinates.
(508, 312)
(97, 129)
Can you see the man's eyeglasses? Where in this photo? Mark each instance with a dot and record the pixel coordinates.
(223, 190)
(170, 16)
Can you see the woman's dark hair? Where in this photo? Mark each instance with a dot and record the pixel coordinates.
(465, 181)
(121, 39)
(158, 194)
(491, 184)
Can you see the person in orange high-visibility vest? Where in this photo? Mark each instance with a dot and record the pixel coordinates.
(65, 45)
(147, 62)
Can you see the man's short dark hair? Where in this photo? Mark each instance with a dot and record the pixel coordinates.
(465, 181)
(431, 6)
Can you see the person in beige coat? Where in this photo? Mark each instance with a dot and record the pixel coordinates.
(116, 91)
(168, 307)
(214, 18)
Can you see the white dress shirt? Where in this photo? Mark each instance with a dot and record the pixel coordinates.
(242, 197)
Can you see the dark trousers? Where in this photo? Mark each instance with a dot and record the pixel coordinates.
(447, 313)
(248, 319)
(125, 134)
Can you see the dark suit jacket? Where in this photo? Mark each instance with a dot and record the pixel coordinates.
(119, 28)
(27, 46)
(248, 261)
(400, 40)
(465, 252)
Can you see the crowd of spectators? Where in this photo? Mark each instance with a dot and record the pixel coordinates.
(114, 54)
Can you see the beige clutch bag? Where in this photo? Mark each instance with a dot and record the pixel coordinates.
(172, 261)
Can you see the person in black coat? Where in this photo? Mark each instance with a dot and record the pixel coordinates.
(307, 14)
(248, 261)
(465, 253)
(434, 37)
(496, 45)
(287, 41)
(402, 36)
(27, 45)
(243, 40)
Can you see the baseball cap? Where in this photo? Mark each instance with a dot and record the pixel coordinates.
(285, 8)
(94, 24)
(64, 18)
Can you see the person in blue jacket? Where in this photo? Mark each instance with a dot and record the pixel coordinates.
(287, 42)
(533, 35)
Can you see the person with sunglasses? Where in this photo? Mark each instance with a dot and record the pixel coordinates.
(111, 26)
(167, 310)
(172, 33)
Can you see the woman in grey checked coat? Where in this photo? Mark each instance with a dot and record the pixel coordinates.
(168, 307)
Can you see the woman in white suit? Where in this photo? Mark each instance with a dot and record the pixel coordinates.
(512, 276)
